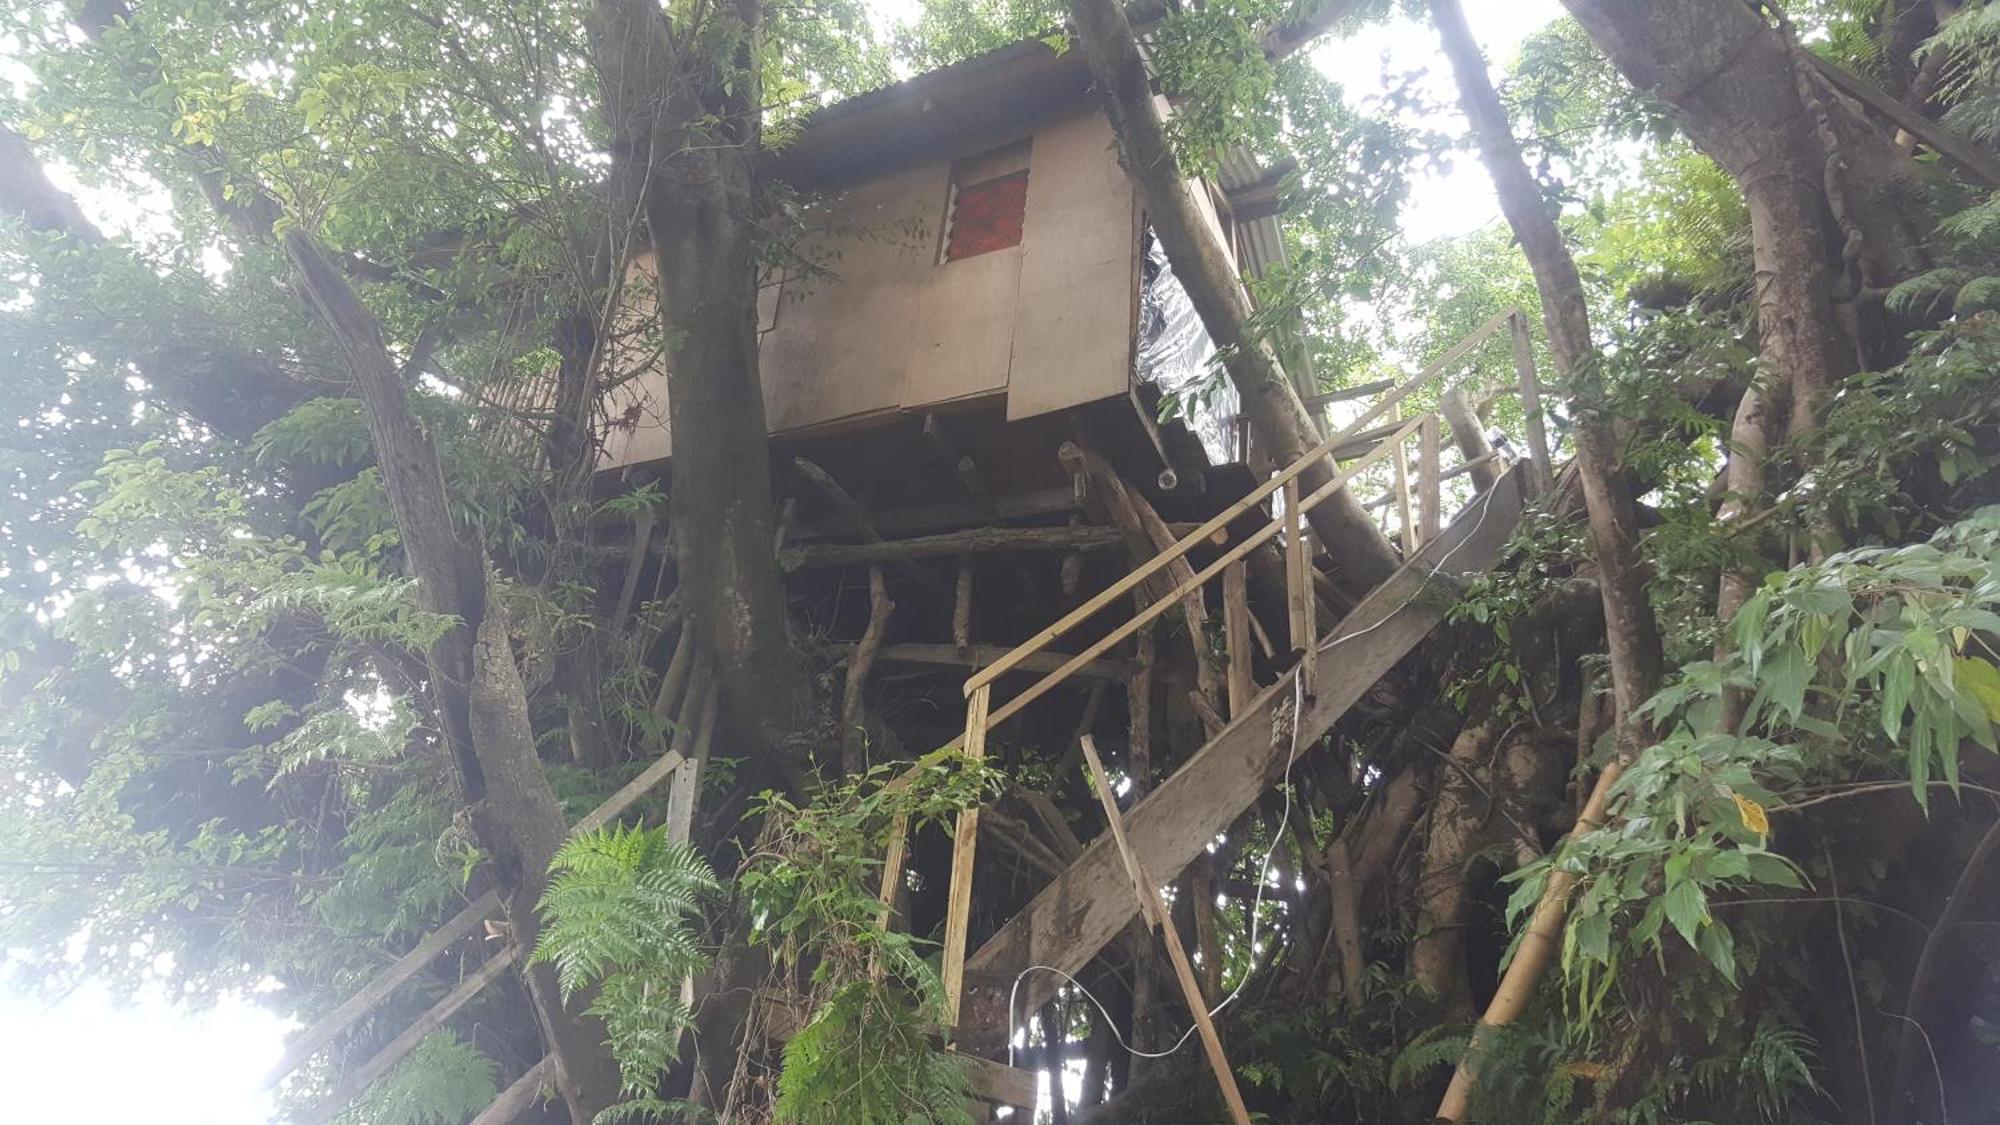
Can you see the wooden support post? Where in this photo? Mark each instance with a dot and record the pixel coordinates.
(667, 701)
(961, 608)
(966, 468)
(1531, 404)
(1139, 711)
(853, 735)
(1299, 588)
(1296, 587)
(964, 846)
(1407, 527)
(1157, 916)
(1430, 496)
(1147, 535)
(1236, 628)
(892, 868)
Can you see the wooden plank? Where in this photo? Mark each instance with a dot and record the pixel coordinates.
(1148, 897)
(1298, 582)
(1478, 462)
(917, 652)
(686, 790)
(519, 1095)
(1531, 404)
(1969, 158)
(998, 1082)
(892, 869)
(628, 794)
(1430, 497)
(957, 543)
(1255, 497)
(944, 517)
(1236, 635)
(1079, 913)
(1349, 394)
(961, 608)
(1104, 643)
(964, 846)
(360, 1078)
(329, 1027)
(310, 1041)
(1406, 527)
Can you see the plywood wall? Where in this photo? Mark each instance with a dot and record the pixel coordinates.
(1047, 323)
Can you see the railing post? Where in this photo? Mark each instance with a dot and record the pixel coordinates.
(1531, 402)
(1407, 531)
(1236, 634)
(1298, 584)
(1157, 917)
(964, 845)
(1430, 497)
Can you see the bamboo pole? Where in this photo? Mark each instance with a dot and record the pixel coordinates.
(1157, 917)
(1532, 957)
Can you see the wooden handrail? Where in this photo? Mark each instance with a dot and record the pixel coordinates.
(1222, 519)
(1162, 605)
(329, 1027)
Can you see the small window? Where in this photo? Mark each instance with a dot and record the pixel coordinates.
(989, 202)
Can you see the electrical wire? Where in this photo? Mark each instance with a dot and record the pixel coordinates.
(1264, 870)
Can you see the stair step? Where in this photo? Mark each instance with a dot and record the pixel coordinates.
(1074, 917)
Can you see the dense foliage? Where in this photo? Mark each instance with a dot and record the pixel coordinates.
(229, 772)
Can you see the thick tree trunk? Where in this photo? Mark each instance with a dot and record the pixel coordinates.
(482, 706)
(1437, 952)
(685, 139)
(1362, 557)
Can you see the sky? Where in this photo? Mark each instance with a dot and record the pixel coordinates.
(88, 1059)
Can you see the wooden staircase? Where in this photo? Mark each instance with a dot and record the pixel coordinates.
(1094, 899)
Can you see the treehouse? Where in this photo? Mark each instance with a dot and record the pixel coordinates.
(980, 269)
(984, 524)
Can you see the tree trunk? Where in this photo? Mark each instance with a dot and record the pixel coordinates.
(690, 121)
(1361, 555)
(1632, 633)
(481, 703)
(1819, 181)
(1437, 952)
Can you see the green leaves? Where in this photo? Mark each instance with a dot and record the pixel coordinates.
(618, 916)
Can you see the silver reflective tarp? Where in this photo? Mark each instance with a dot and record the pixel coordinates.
(1175, 355)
